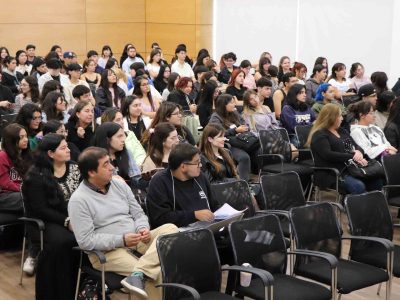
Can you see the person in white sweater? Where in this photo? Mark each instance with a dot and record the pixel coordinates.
(367, 135)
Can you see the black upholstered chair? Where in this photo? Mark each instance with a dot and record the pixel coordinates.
(369, 215)
(110, 280)
(259, 241)
(302, 132)
(316, 227)
(391, 165)
(272, 162)
(191, 268)
(236, 193)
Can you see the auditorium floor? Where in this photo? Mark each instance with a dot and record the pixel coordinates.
(11, 290)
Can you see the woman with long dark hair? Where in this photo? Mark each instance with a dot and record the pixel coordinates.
(161, 81)
(14, 163)
(22, 67)
(80, 125)
(30, 116)
(132, 144)
(109, 94)
(392, 127)
(296, 111)
(173, 80)
(170, 112)
(284, 67)
(10, 78)
(357, 76)
(106, 53)
(133, 118)
(54, 107)
(29, 92)
(206, 106)
(226, 115)
(47, 188)
(52, 85)
(155, 63)
(150, 104)
(379, 80)
(217, 163)
(162, 139)
(263, 65)
(111, 136)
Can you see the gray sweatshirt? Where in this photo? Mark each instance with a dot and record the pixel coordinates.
(100, 220)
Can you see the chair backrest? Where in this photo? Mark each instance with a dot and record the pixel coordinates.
(272, 141)
(189, 258)
(302, 132)
(316, 227)
(369, 215)
(391, 165)
(259, 241)
(236, 193)
(6, 120)
(282, 190)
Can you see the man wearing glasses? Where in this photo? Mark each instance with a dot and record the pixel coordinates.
(180, 194)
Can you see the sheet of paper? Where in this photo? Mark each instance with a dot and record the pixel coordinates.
(226, 211)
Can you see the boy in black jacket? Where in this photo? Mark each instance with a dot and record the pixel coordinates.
(180, 194)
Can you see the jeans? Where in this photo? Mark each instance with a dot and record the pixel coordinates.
(357, 186)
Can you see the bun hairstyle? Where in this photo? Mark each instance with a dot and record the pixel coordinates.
(360, 108)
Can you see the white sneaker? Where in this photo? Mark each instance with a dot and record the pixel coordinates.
(29, 266)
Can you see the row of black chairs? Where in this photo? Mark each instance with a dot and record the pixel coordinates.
(191, 258)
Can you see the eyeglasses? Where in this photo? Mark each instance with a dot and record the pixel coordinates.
(193, 164)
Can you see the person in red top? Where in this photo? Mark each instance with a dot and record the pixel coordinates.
(14, 162)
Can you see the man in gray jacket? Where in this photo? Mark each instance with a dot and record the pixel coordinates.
(106, 216)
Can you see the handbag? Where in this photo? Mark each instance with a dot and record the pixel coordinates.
(374, 169)
(246, 141)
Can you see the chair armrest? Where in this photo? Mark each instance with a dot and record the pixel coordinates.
(338, 205)
(195, 294)
(100, 255)
(331, 259)
(390, 186)
(39, 223)
(333, 170)
(265, 276)
(271, 155)
(278, 212)
(396, 225)
(384, 242)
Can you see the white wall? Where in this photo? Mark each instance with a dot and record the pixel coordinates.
(365, 31)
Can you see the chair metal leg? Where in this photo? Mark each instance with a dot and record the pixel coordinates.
(103, 282)
(390, 258)
(334, 284)
(79, 277)
(22, 259)
(340, 296)
(310, 191)
(379, 289)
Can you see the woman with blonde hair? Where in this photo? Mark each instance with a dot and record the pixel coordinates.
(332, 147)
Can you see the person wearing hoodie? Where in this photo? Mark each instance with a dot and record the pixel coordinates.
(368, 136)
(296, 111)
(317, 78)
